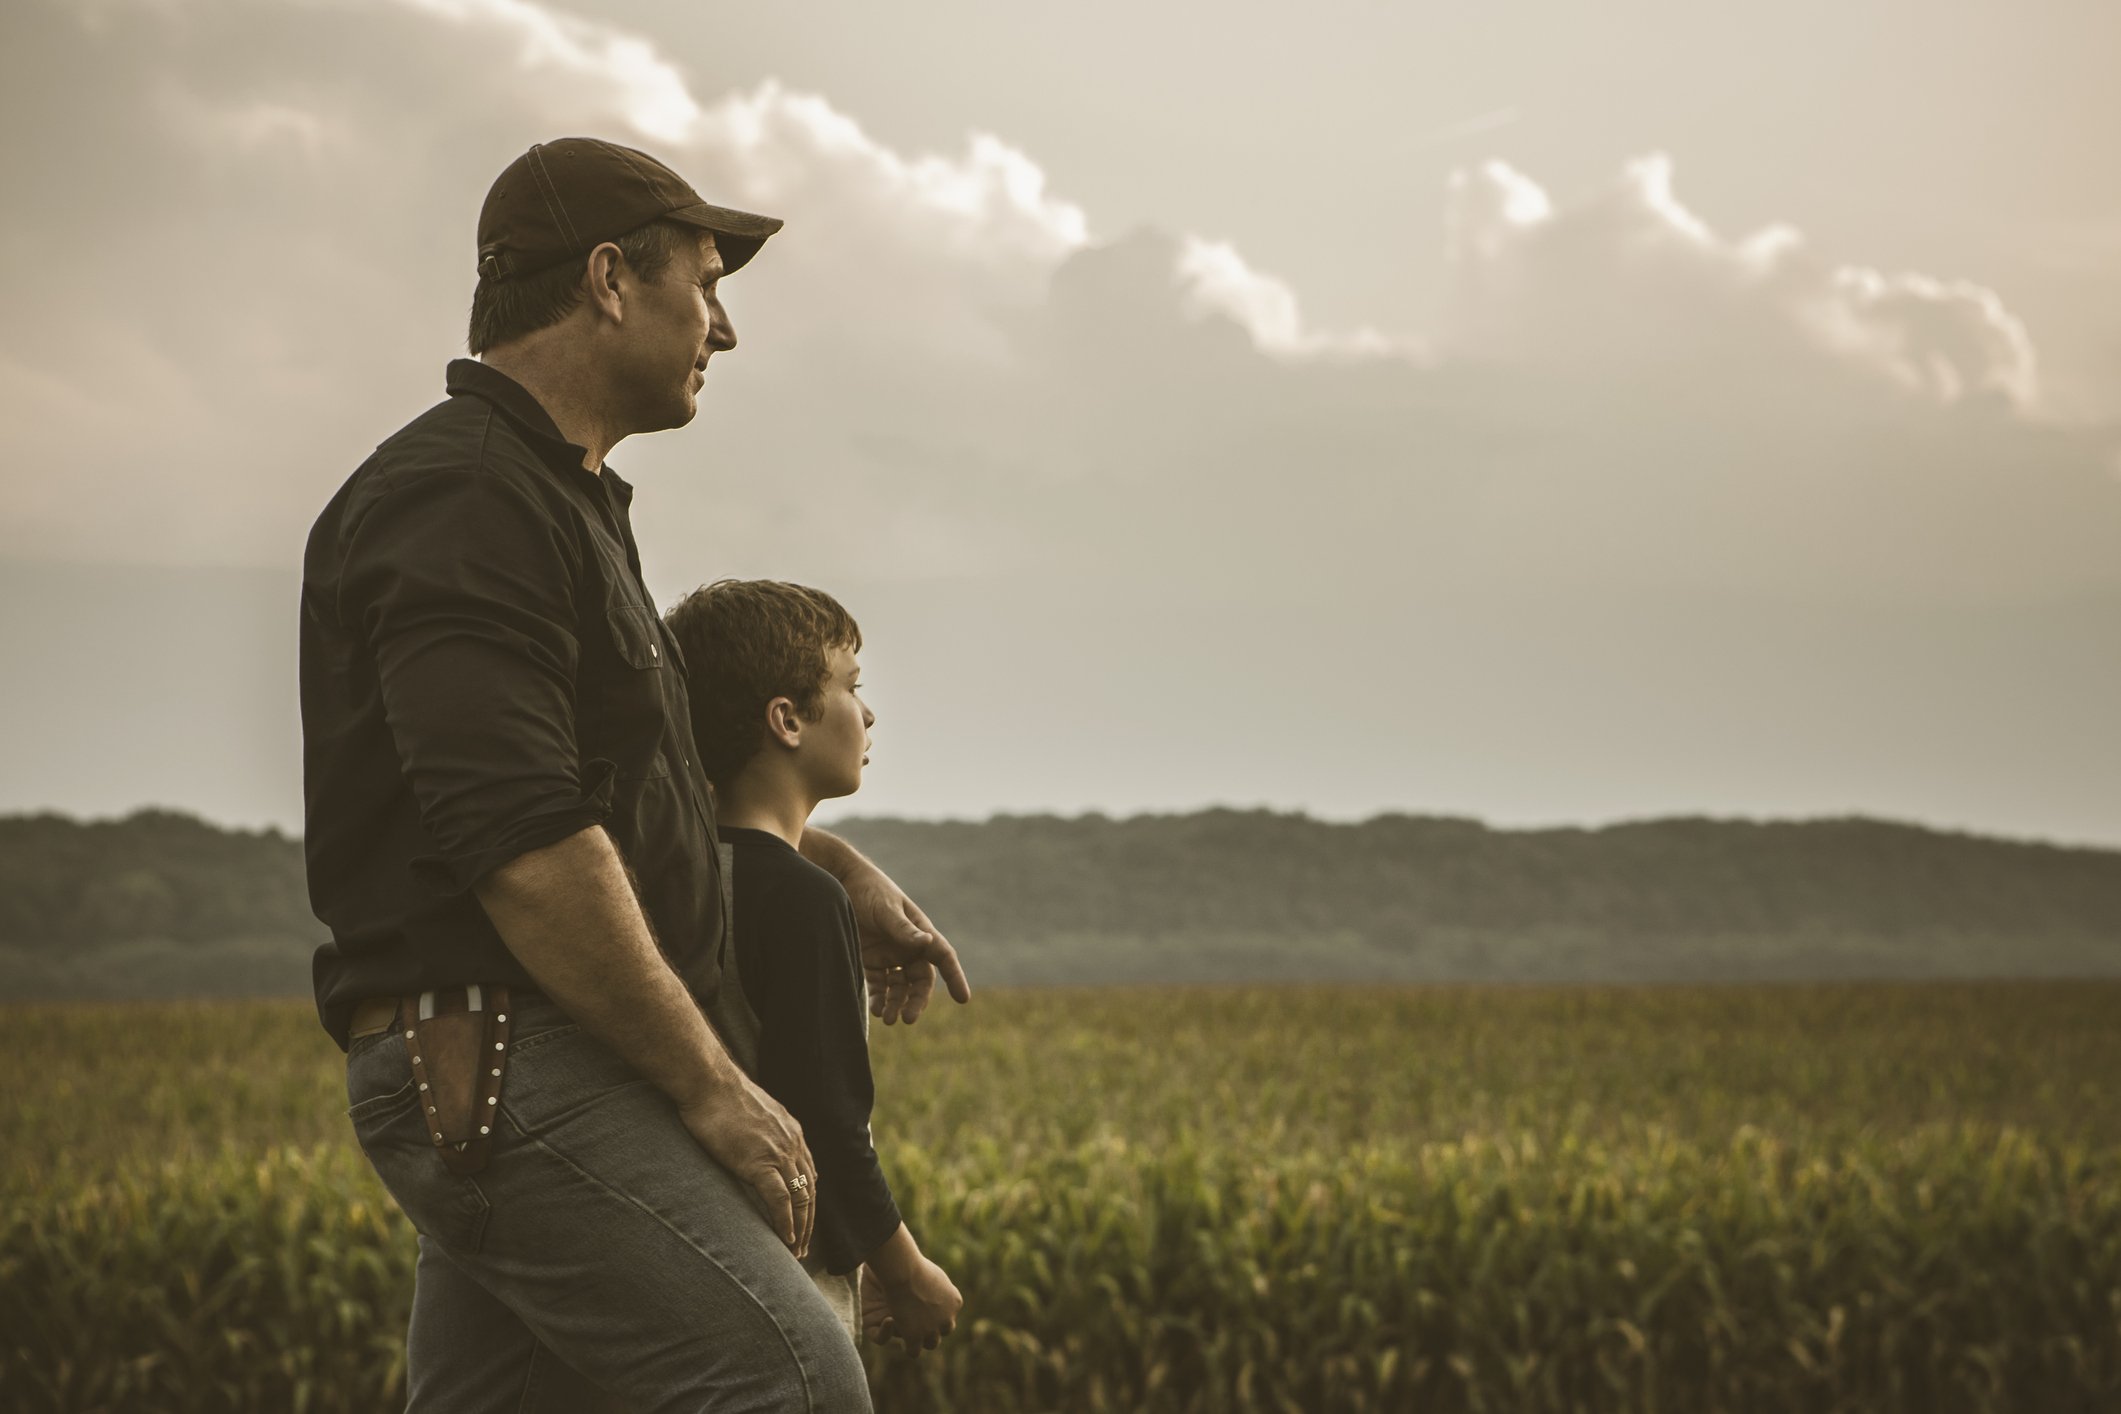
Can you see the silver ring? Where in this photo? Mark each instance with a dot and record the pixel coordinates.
(798, 1183)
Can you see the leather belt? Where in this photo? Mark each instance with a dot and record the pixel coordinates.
(379, 1014)
(373, 1017)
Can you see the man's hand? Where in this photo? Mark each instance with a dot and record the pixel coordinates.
(568, 913)
(877, 1326)
(746, 1131)
(901, 950)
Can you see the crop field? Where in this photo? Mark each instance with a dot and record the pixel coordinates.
(1678, 1199)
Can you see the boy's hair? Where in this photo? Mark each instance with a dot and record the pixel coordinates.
(746, 642)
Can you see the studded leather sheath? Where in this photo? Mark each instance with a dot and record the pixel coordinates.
(458, 1037)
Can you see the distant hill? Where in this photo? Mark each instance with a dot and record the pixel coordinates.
(158, 904)
(163, 904)
(1259, 894)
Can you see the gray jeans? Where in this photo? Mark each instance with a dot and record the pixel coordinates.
(601, 1261)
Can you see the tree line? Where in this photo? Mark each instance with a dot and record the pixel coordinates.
(161, 902)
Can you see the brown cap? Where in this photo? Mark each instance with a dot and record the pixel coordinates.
(561, 199)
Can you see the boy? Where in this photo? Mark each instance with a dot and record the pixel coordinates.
(780, 726)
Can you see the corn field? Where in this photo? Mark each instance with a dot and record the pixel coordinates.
(1675, 1199)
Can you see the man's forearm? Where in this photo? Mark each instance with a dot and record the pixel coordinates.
(569, 915)
(831, 853)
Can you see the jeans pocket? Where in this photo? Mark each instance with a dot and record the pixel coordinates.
(558, 1075)
(389, 1121)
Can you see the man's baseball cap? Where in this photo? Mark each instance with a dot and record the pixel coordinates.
(562, 199)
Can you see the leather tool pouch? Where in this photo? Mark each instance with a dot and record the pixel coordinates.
(458, 1037)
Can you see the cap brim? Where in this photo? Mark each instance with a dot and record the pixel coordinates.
(738, 234)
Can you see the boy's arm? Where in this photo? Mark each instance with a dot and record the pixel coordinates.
(901, 950)
(908, 1296)
(800, 970)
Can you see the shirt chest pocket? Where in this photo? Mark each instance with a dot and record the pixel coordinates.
(634, 635)
(623, 709)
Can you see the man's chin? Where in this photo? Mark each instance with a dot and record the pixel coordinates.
(676, 416)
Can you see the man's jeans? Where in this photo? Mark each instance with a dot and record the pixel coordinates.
(600, 1249)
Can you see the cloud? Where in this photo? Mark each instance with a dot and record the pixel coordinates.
(987, 205)
(939, 351)
(1946, 339)
(646, 90)
(782, 144)
(1216, 279)
(252, 127)
(1632, 278)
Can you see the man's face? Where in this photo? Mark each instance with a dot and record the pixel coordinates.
(674, 324)
(835, 746)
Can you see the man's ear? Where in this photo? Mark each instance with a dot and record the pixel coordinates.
(601, 281)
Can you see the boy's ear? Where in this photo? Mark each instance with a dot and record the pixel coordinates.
(783, 722)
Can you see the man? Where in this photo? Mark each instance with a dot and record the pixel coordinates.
(510, 837)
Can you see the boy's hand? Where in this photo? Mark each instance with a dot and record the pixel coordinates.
(920, 1308)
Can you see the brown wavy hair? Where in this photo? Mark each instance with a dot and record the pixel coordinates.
(746, 642)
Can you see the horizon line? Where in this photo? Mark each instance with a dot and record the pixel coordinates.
(1224, 808)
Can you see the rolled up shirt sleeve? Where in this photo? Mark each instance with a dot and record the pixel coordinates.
(464, 588)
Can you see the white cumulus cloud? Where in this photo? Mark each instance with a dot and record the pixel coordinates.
(1217, 279)
(1633, 277)
(646, 89)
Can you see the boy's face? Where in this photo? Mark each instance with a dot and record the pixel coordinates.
(835, 747)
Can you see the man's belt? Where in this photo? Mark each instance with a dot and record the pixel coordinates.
(458, 1040)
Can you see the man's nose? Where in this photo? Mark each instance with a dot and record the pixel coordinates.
(721, 334)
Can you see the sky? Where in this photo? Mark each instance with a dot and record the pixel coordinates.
(1547, 413)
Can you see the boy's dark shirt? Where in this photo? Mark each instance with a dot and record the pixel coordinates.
(484, 673)
(802, 970)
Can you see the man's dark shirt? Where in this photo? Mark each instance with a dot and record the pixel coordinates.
(802, 970)
(484, 673)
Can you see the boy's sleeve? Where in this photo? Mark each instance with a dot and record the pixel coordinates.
(814, 1058)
